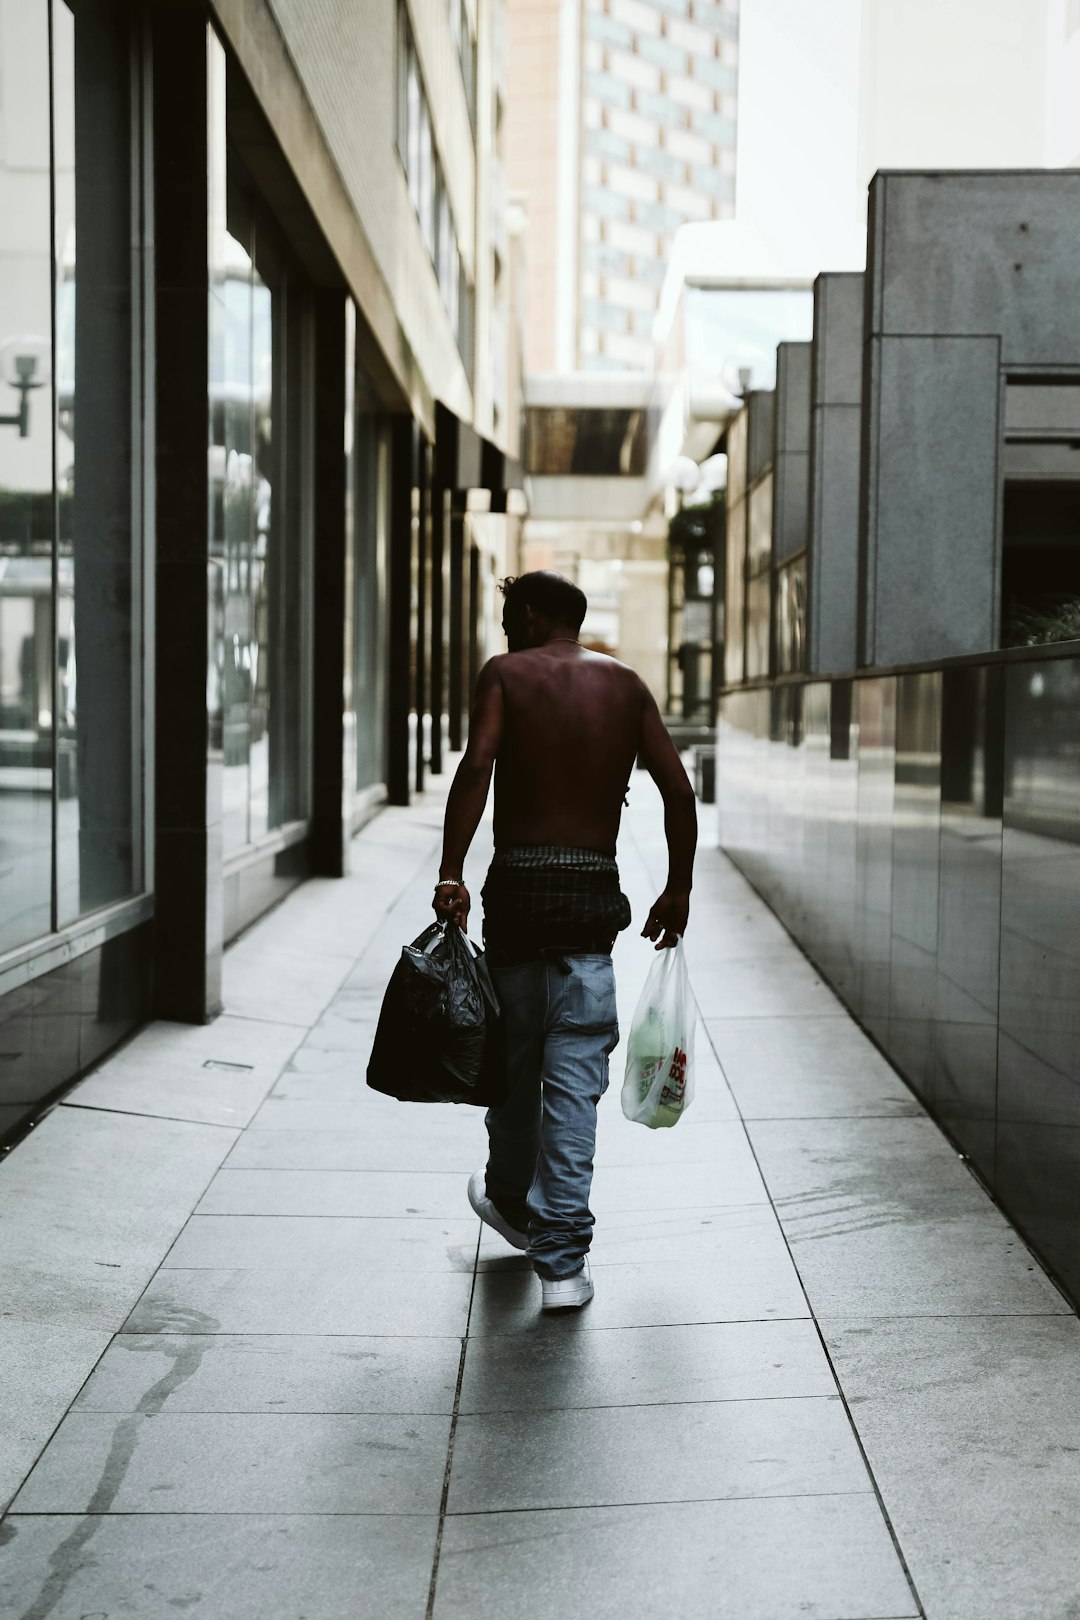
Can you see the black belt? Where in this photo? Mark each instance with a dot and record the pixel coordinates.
(559, 954)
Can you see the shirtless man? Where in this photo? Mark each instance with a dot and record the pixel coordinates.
(562, 728)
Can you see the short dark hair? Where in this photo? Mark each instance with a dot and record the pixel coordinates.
(548, 594)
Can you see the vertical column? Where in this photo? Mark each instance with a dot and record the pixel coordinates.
(188, 129)
(474, 623)
(402, 475)
(329, 828)
(458, 696)
(423, 607)
(440, 509)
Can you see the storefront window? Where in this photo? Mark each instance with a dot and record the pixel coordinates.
(26, 488)
(789, 617)
(257, 686)
(71, 800)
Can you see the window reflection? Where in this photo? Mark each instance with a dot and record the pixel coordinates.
(68, 704)
(258, 600)
(790, 616)
(26, 509)
(369, 477)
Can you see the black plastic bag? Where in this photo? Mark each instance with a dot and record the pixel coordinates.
(440, 1036)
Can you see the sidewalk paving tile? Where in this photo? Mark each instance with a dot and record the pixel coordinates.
(44, 1363)
(434, 1152)
(694, 1140)
(732, 1178)
(647, 1366)
(769, 1558)
(884, 1219)
(591, 1457)
(230, 1566)
(758, 989)
(354, 1243)
(274, 1373)
(786, 1068)
(397, 1194)
(196, 1462)
(282, 982)
(279, 1114)
(89, 1202)
(972, 1428)
(304, 1299)
(163, 1071)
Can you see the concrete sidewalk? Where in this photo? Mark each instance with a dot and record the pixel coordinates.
(260, 1361)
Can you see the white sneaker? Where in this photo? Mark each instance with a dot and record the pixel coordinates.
(487, 1212)
(568, 1293)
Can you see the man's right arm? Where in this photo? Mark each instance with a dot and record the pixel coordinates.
(668, 917)
(468, 793)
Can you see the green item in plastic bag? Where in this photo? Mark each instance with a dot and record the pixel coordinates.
(659, 1085)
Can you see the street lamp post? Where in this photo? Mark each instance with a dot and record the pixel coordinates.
(24, 366)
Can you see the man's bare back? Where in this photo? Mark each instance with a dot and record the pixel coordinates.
(571, 732)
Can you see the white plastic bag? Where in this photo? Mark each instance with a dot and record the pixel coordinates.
(659, 1083)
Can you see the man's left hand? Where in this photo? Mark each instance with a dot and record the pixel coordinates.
(452, 905)
(667, 920)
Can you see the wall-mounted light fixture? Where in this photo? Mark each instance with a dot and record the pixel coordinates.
(24, 366)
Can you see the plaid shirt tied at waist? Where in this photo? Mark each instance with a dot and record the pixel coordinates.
(545, 900)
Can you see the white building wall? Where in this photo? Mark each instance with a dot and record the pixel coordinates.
(1063, 83)
(952, 85)
(830, 93)
(799, 124)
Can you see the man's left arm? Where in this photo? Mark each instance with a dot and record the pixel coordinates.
(468, 795)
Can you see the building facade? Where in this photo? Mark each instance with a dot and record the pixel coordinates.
(258, 437)
(897, 761)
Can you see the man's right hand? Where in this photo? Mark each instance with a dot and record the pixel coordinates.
(667, 920)
(452, 905)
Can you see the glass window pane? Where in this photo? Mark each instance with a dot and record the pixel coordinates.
(285, 648)
(369, 583)
(427, 179)
(262, 525)
(98, 711)
(759, 538)
(232, 418)
(26, 509)
(412, 157)
(757, 627)
(735, 595)
(262, 517)
(790, 617)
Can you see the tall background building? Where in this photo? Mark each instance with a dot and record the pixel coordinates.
(623, 129)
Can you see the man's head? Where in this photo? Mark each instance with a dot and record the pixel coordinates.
(540, 606)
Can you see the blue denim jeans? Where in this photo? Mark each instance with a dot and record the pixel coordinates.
(561, 1028)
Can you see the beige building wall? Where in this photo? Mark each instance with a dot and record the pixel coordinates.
(534, 30)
